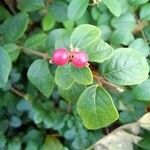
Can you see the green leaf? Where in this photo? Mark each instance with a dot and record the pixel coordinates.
(140, 45)
(14, 27)
(63, 77)
(127, 19)
(59, 10)
(52, 143)
(96, 108)
(126, 67)
(85, 36)
(84, 19)
(102, 52)
(82, 75)
(40, 76)
(2, 140)
(142, 91)
(77, 8)
(145, 12)
(5, 67)
(106, 32)
(48, 22)
(13, 50)
(14, 144)
(73, 93)
(114, 6)
(63, 40)
(121, 36)
(52, 37)
(36, 41)
(4, 13)
(30, 5)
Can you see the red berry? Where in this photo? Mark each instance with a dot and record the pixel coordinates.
(60, 57)
(80, 59)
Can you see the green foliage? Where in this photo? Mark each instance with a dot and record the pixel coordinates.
(19, 24)
(40, 76)
(44, 106)
(102, 111)
(5, 67)
(30, 5)
(126, 67)
(114, 6)
(77, 8)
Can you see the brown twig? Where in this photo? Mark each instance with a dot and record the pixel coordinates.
(33, 52)
(14, 90)
(19, 93)
(103, 82)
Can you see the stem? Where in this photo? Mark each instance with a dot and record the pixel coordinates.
(32, 52)
(101, 81)
(140, 26)
(18, 92)
(69, 108)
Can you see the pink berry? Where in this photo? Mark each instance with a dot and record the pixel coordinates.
(80, 59)
(60, 57)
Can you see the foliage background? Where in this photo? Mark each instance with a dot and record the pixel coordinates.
(32, 120)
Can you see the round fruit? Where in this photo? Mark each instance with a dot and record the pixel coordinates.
(60, 57)
(80, 59)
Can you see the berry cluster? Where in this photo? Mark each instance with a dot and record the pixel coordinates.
(62, 56)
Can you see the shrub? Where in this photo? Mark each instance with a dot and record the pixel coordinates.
(69, 69)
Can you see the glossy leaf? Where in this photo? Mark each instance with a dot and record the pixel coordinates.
(5, 67)
(40, 76)
(142, 91)
(63, 77)
(114, 6)
(102, 111)
(19, 23)
(126, 67)
(85, 36)
(102, 52)
(77, 8)
(59, 10)
(73, 93)
(30, 5)
(82, 75)
(13, 50)
(36, 41)
(48, 22)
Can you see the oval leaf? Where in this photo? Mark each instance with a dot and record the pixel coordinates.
(82, 75)
(85, 36)
(73, 93)
(13, 50)
(96, 108)
(102, 52)
(63, 77)
(40, 76)
(142, 91)
(77, 8)
(5, 67)
(126, 67)
(30, 5)
(13, 28)
(114, 6)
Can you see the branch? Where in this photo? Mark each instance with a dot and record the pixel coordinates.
(101, 81)
(20, 94)
(29, 51)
